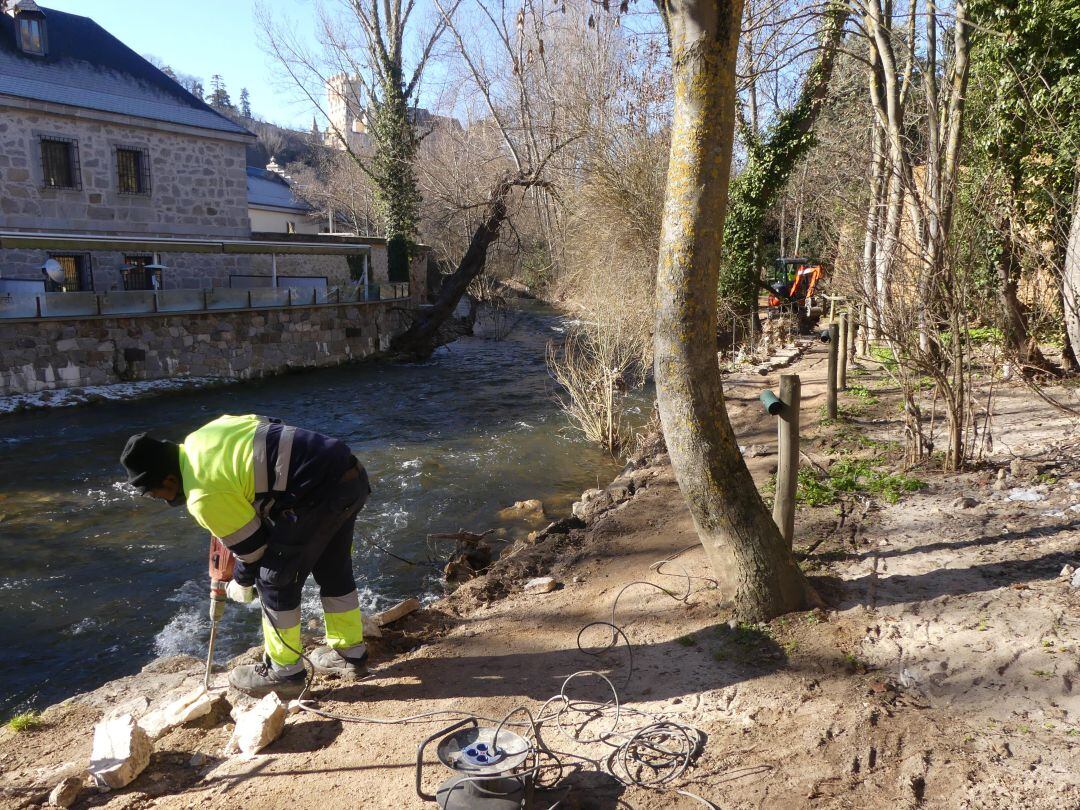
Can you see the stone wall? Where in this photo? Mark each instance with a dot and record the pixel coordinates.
(198, 183)
(67, 353)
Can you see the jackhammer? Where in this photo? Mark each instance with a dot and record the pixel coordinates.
(221, 572)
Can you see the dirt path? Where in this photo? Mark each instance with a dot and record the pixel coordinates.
(944, 677)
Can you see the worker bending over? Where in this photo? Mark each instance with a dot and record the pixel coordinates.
(284, 501)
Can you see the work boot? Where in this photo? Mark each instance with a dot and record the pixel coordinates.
(258, 680)
(329, 661)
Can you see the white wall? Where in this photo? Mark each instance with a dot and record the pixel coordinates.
(276, 221)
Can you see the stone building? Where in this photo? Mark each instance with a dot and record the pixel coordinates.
(273, 206)
(110, 167)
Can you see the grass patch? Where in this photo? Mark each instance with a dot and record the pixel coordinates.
(687, 641)
(856, 437)
(27, 721)
(863, 394)
(884, 356)
(852, 475)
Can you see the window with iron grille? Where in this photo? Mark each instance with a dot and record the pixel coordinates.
(132, 170)
(138, 275)
(60, 163)
(76, 273)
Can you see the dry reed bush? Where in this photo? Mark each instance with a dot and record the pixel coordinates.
(611, 244)
(608, 265)
(597, 365)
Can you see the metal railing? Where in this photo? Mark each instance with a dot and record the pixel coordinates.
(148, 302)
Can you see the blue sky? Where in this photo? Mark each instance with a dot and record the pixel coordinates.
(203, 37)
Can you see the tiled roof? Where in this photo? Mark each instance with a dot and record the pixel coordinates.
(88, 67)
(269, 189)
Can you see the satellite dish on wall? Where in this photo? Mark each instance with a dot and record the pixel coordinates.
(53, 270)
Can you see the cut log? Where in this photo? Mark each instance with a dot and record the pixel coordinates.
(398, 611)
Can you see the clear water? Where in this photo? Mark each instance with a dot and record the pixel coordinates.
(95, 583)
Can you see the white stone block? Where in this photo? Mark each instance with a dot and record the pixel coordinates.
(120, 752)
(540, 585)
(258, 726)
(196, 703)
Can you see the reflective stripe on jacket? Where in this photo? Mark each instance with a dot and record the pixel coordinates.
(232, 469)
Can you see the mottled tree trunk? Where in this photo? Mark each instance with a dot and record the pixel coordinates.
(1070, 280)
(873, 233)
(735, 528)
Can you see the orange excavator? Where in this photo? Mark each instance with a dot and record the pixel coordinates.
(793, 284)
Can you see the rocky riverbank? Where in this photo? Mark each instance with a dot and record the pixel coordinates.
(941, 675)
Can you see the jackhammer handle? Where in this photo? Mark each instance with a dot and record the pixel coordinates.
(420, 753)
(222, 560)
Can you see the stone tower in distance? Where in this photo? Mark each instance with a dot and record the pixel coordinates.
(345, 111)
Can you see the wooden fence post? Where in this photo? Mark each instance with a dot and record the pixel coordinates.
(787, 469)
(830, 383)
(842, 352)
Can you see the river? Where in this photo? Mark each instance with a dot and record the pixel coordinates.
(95, 583)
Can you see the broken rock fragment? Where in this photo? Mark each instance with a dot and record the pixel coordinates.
(66, 793)
(258, 726)
(196, 703)
(120, 752)
(540, 585)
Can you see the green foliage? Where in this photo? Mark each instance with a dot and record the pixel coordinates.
(391, 167)
(985, 334)
(863, 394)
(356, 266)
(398, 255)
(812, 491)
(770, 161)
(687, 641)
(849, 475)
(1025, 90)
(535, 265)
(27, 721)
(884, 356)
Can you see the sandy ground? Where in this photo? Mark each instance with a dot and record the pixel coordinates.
(944, 674)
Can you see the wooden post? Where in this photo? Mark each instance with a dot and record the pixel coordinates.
(787, 470)
(842, 353)
(834, 346)
(853, 328)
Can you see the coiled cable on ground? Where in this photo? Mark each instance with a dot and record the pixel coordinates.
(651, 756)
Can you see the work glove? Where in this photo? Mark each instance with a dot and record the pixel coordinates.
(239, 593)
